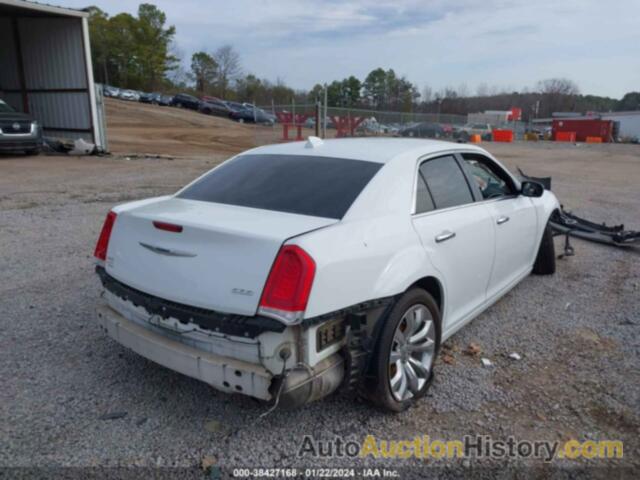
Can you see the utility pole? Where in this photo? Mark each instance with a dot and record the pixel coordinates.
(324, 116)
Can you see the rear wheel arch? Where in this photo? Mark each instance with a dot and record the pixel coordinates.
(429, 284)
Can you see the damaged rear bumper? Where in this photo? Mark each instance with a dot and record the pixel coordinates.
(223, 373)
(296, 386)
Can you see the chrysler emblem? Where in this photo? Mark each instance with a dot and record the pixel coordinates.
(16, 126)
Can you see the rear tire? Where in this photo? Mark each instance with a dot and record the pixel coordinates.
(545, 263)
(415, 358)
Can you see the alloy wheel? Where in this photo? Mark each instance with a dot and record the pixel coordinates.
(412, 352)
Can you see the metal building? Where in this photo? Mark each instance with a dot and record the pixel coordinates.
(628, 124)
(46, 70)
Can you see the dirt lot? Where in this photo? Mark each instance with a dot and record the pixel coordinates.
(72, 397)
(140, 128)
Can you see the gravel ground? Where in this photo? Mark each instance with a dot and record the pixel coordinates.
(72, 397)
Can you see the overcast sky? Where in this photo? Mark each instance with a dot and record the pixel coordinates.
(505, 43)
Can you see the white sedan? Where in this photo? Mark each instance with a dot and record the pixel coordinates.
(292, 270)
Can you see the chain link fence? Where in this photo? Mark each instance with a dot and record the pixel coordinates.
(283, 123)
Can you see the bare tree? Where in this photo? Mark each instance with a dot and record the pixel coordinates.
(555, 86)
(482, 90)
(463, 90)
(557, 95)
(427, 94)
(229, 68)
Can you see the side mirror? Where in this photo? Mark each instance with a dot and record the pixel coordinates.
(531, 189)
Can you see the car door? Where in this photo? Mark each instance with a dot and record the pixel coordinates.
(456, 232)
(514, 219)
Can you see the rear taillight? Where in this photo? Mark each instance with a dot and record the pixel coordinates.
(103, 240)
(287, 290)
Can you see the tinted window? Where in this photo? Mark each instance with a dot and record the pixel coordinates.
(316, 186)
(424, 203)
(446, 182)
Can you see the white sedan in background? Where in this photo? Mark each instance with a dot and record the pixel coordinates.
(292, 270)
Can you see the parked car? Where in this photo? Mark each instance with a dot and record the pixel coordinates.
(423, 130)
(210, 106)
(294, 269)
(150, 98)
(165, 100)
(129, 95)
(109, 91)
(183, 100)
(18, 131)
(464, 133)
(252, 115)
(234, 106)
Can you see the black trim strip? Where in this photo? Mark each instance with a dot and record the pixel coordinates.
(238, 325)
(230, 324)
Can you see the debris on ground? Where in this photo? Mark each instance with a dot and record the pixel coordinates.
(515, 356)
(565, 222)
(448, 359)
(55, 145)
(486, 362)
(80, 147)
(68, 147)
(207, 462)
(473, 349)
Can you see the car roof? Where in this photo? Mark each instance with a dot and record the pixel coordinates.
(379, 150)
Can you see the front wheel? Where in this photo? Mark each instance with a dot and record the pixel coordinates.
(405, 353)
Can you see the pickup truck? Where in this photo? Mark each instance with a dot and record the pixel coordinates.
(18, 131)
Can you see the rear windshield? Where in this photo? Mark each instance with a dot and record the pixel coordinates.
(306, 185)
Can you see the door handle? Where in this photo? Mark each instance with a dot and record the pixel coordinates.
(502, 220)
(444, 236)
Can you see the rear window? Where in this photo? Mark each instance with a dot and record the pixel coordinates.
(306, 185)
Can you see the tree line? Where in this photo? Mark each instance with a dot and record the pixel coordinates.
(139, 52)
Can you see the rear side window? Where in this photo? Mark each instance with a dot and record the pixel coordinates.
(446, 182)
(306, 185)
(424, 202)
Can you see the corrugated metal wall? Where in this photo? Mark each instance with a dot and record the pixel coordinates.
(55, 73)
(61, 110)
(8, 59)
(53, 53)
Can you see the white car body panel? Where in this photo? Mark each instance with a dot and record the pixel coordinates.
(466, 257)
(223, 249)
(516, 227)
(377, 250)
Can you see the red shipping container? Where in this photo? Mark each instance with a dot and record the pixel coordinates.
(584, 128)
(502, 136)
(565, 136)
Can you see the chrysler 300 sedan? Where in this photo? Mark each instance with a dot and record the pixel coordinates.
(293, 270)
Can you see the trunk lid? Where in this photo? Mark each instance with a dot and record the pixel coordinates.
(219, 261)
